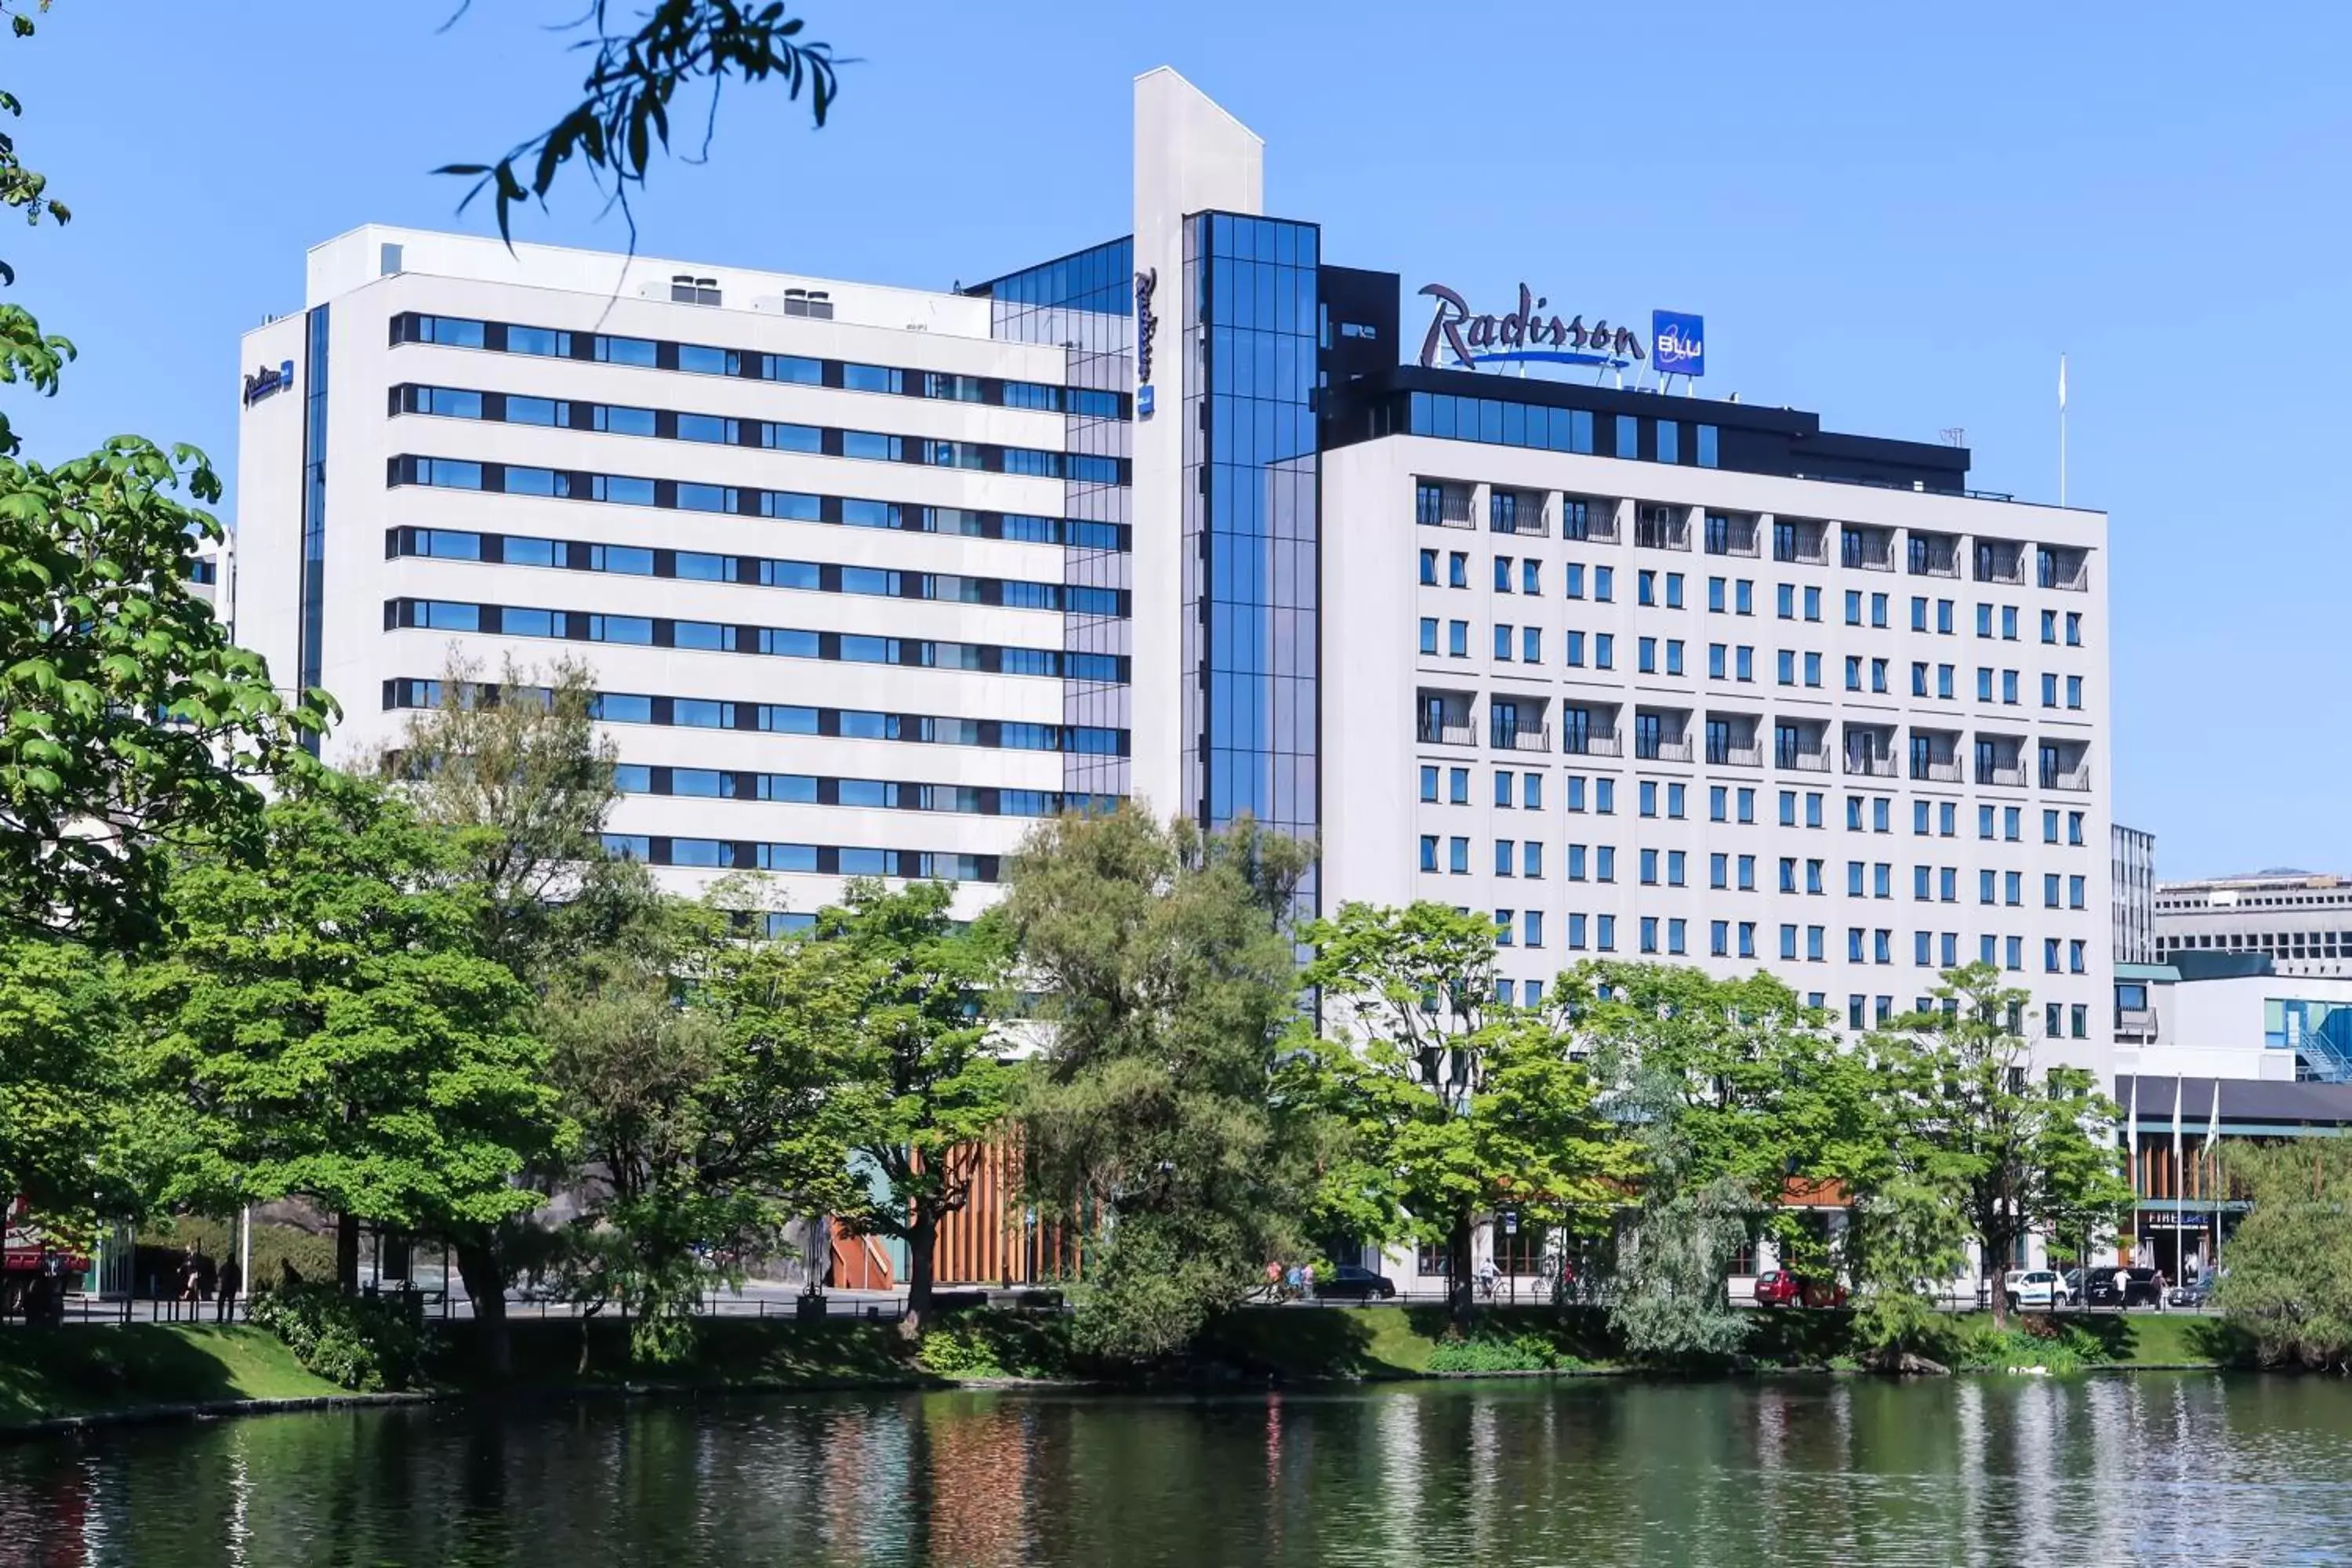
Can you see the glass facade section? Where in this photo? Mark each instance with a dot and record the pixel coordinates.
(314, 503)
(1084, 303)
(1252, 532)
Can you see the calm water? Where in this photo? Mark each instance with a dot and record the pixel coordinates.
(2151, 1468)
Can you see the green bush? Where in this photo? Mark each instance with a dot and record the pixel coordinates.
(2059, 1346)
(363, 1342)
(996, 1344)
(1496, 1353)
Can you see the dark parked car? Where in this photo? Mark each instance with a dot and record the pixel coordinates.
(2139, 1288)
(1779, 1288)
(2197, 1294)
(1351, 1281)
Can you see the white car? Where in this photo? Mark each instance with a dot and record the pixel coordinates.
(2043, 1287)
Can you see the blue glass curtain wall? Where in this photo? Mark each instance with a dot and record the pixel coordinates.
(314, 503)
(1084, 303)
(1252, 523)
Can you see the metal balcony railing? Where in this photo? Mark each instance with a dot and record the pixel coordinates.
(2078, 777)
(1870, 767)
(1446, 734)
(1946, 771)
(1593, 744)
(1651, 748)
(2010, 775)
(1801, 759)
(1734, 754)
(1520, 737)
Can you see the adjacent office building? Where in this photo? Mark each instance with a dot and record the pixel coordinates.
(2300, 921)
(869, 579)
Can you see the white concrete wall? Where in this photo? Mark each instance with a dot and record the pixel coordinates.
(1190, 156)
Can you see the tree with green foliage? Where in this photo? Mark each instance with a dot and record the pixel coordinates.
(1164, 979)
(933, 1086)
(334, 1029)
(127, 718)
(1736, 1102)
(514, 772)
(1972, 1130)
(1455, 1105)
(71, 1107)
(622, 124)
(713, 1082)
(2289, 1281)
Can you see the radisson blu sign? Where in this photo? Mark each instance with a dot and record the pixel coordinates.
(1532, 335)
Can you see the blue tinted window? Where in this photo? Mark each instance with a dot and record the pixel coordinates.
(620, 628)
(618, 707)
(624, 350)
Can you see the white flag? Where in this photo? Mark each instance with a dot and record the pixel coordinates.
(2179, 1092)
(2062, 382)
(2213, 1123)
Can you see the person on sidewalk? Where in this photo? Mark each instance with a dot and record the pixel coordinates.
(228, 1282)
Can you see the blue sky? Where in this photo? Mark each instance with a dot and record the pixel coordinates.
(1896, 216)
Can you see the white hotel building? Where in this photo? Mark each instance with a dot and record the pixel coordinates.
(871, 578)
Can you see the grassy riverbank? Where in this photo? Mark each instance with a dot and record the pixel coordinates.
(97, 1371)
(100, 1370)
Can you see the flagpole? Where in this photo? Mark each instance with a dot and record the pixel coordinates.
(2179, 1092)
(2061, 429)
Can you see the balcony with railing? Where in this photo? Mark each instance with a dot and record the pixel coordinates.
(1662, 735)
(1800, 540)
(1444, 719)
(1587, 517)
(1801, 745)
(1517, 511)
(1516, 724)
(1443, 503)
(1932, 554)
(2066, 765)
(1870, 750)
(1662, 527)
(2062, 568)
(1999, 561)
(1865, 548)
(1732, 533)
(1733, 742)
(1935, 756)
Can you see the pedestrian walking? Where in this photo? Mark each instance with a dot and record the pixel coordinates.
(191, 1280)
(230, 1280)
(2123, 1289)
(2159, 1290)
(1306, 1281)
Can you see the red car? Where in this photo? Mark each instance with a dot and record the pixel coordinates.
(1781, 1289)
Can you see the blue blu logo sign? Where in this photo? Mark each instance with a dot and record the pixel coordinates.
(1678, 343)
